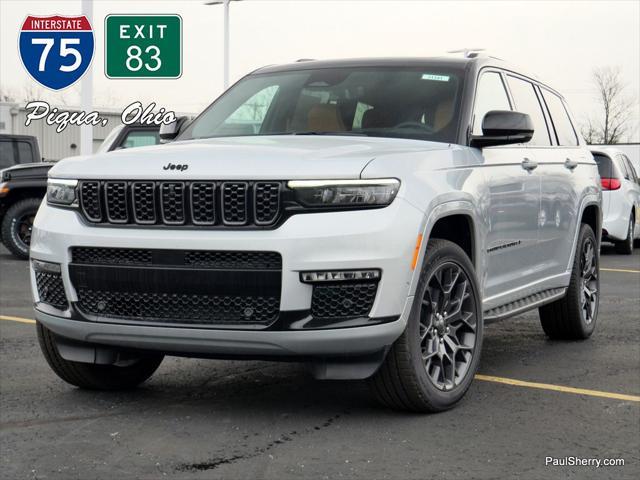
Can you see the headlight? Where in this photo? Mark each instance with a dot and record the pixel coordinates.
(345, 193)
(61, 191)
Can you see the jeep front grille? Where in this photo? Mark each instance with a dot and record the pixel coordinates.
(194, 203)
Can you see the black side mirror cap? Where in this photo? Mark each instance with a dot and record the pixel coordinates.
(503, 127)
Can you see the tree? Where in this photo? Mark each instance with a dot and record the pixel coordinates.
(612, 122)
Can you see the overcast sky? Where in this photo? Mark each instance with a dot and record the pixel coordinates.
(560, 41)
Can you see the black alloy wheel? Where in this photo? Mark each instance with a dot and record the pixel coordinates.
(447, 326)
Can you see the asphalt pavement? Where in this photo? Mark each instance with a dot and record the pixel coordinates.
(207, 419)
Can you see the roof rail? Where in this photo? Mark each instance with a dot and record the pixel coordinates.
(305, 60)
(468, 52)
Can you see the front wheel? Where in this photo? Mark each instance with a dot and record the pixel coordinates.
(17, 225)
(626, 246)
(431, 366)
(93, 376)
(574, 316)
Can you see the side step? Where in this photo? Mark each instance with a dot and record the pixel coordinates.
(527, 303)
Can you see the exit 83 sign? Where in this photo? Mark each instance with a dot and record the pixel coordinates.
(143, 46)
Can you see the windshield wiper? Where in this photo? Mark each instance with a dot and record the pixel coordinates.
(313, 132)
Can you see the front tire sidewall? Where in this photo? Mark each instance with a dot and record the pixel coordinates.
(10, 228)
(439, 399)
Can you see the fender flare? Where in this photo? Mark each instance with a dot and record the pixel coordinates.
(440, 211)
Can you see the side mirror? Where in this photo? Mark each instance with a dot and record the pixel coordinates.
(171, 131)
(503, 127)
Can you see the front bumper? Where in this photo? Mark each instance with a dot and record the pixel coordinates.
(381, 238)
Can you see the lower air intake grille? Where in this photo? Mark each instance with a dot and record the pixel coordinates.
(188, 308)
(51, 289)
(111, 256)
(347, 300)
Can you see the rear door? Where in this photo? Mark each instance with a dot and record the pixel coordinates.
(632, 190)
(513, 201)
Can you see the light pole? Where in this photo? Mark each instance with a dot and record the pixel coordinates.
(86, 93)
(225, 68)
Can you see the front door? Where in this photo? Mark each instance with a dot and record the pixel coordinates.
(512, 201)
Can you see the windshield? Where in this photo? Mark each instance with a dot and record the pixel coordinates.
(417, 103)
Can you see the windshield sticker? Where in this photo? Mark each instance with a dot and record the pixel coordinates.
(435, 78)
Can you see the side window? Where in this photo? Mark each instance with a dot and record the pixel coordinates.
(490, 95)
(526, 101)
(625, 168)
(565, 133)
(140, 138)
(6, 153)
(25, 153)
(632, 169)
(248, 117)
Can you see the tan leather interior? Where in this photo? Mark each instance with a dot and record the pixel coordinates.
(443, 115)
(325, 118)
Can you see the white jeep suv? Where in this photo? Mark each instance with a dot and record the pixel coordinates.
(364, 216)
(620, 198)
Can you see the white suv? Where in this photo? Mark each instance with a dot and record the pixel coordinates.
(620, 198)
(363, 216)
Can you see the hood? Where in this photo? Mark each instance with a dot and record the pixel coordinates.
(236, 158)
(26, 170)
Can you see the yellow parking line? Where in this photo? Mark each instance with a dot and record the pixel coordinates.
(16, 319)
(623, 270)
(558, 388)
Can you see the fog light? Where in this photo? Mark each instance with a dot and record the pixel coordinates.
(48, 267)
(339, 276)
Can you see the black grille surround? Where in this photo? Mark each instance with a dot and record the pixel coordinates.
(195, 204)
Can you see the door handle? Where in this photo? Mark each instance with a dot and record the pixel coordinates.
(529, 164)
(570, 164)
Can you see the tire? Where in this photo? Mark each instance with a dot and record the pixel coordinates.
(625, 247)
(569, 318)
(92, 376)
(13, 236)
(407, 380)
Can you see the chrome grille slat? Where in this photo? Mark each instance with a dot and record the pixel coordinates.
(206, 203)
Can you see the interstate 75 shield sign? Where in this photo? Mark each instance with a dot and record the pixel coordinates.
(56, 50)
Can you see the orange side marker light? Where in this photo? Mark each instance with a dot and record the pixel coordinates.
(416, 252)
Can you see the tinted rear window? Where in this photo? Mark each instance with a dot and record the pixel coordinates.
(604, 165)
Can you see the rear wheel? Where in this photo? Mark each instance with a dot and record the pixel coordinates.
(626, 246)
(431, 366)
(93, 376)
(17, 225)
(574, 316)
